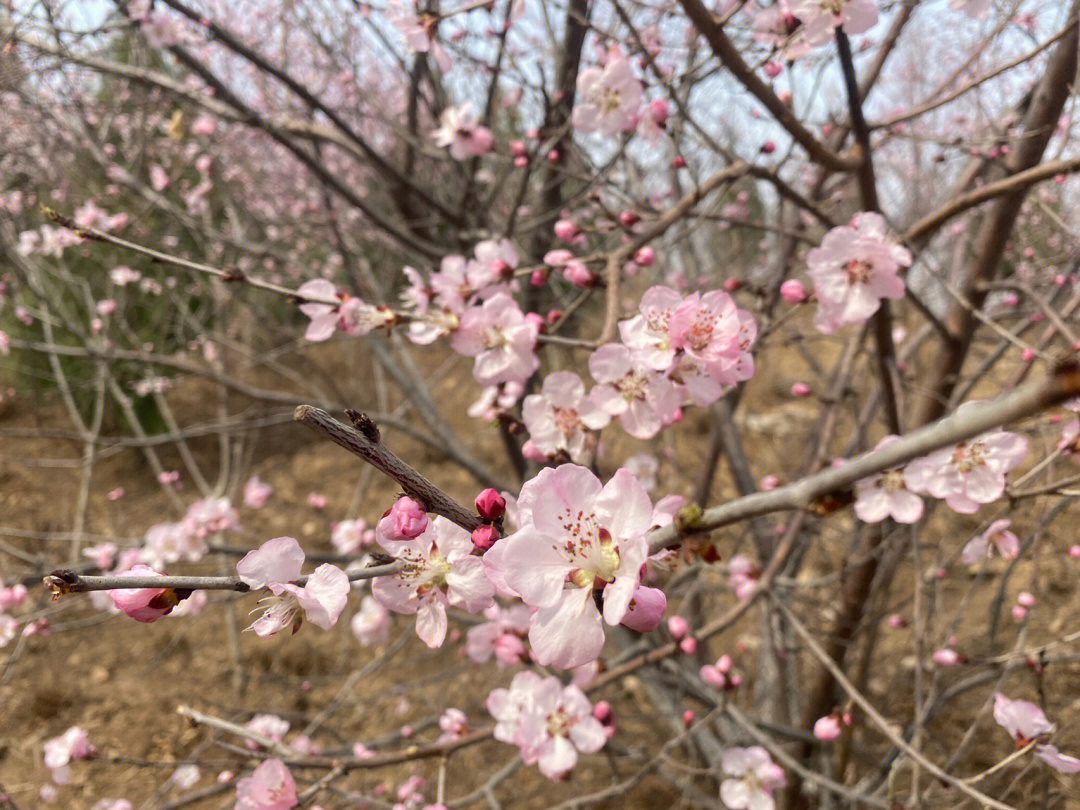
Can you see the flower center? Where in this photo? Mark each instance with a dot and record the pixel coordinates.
(567, 420)
(858, 270)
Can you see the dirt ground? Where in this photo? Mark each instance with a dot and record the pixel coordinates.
(124, 681)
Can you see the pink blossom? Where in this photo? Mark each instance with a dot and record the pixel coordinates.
(122, 276)
(270, 787)
(439, 570)
(371, 624)
(277, 560)
(642, 398)
(419, 31)
(560, 417)
(186, 776)
(496, 636)
(1024, 720)
(454, 725)
(501, 339)
(820, 17)
(210, 516)
(159, 178)
(885, 495)
(970, 473)
(351, 536)
(458, 129)
(173, 542)
(576, 536)
(1062, 763)
(205, 124)
(854, 268)
(103, 555)
(143, 604)
(550, 723)
(12, 597)
(743, 577)
(274, 565)
(607, 98)
(256, 493)
(643, 467)
(945, 657)
(73, 744)
(316, 500)
(9, 628)
(405, 520)
(321, 600)
(350, 315)
(996, 537)
(752, 778)
(268, 725)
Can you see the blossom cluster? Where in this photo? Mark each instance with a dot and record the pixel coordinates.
(549, 722)
(965, 475)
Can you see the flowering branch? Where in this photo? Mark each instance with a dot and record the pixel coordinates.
(1063, 384)
(64, 581)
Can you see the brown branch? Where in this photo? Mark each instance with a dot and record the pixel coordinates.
(366, 443)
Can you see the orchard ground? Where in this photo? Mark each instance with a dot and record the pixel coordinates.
(123, 681)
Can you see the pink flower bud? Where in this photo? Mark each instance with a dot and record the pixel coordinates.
(13, 597)
(768, 148)
(521, 162)
(553, 156)
(554, 315)
(800, 389)
(793, 291)
(827, 728)
(1074, 552)
(946, 657)
(538, 278)
(536, 320)
(773, 69)
(1026, 599)
(679, 162)
(518, 149)
(406, 519)
(577, 273)
(646, 609)
(687, 717)
(723, 663)
(484, 537)
(629, 219)
(713, 677)
(688, 645)
(896, 621)
(658, 109)
(645, 257)
(1028, 355)
(678, 627)
(509, 649)
(769, 482)
(784, 96)
(143, 604)
(533, 453)
(602, 710)
(115, 494)
(732, 284)
(490, 505)
(1019, 612)
(566, 230)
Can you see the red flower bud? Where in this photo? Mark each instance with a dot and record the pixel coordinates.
(490, 505)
